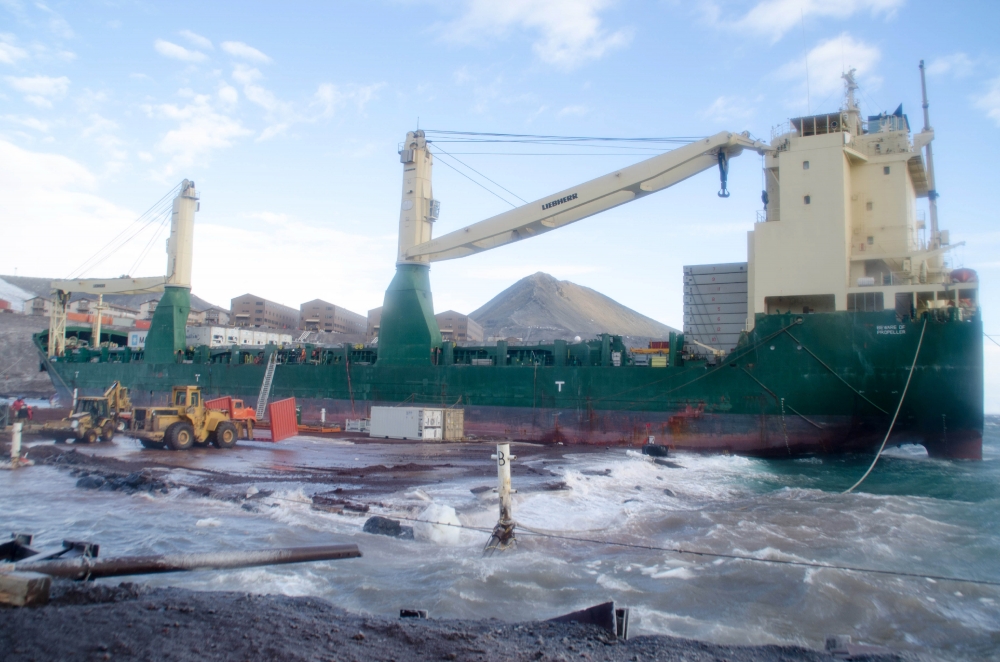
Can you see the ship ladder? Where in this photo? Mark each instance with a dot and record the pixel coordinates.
(265, 387)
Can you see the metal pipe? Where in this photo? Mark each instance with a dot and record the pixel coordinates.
(85, 567)
(932, 192)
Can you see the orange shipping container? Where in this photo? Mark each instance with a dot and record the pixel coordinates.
(283, 421)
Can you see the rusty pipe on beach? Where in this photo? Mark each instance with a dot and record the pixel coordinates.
(85, 567)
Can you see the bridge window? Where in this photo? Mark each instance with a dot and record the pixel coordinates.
(885, 170)
(865, 302)
(807, 200)
(808, 303)
(805, 165)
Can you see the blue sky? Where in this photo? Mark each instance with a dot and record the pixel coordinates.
(288, 117)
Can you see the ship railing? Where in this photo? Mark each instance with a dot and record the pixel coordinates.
(761, 216)
(780, 129)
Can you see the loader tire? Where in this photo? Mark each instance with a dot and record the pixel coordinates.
(108, 431)
(225, 435)
(180, 436)
(90, 436)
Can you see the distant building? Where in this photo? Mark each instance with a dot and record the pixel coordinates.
(374, 318)
(250, 310)
(215, 316)
(38, 306)
(147, 308)
(87, 306)
(319, 315)
(458, 327)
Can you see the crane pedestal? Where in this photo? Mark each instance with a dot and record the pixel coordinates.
(168, 328)
(408, 331)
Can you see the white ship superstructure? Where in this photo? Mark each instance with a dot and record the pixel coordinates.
(841, 229)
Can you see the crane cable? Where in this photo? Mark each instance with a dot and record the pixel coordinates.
(106, 251)
(898, 407)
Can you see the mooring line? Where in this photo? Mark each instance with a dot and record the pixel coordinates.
(898, 407)
(679, 550)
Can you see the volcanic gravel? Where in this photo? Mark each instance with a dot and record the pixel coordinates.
(135, 622)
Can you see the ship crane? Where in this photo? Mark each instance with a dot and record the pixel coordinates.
(409, 332)
(178, 278)
(559, 209)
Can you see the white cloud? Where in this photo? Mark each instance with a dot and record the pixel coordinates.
(55, 198)
(327, 99)
(176, 52)
(9, 53)
(57, 24)
(40, 90)
(29, 122)
(197, 39)
(774, 18)
(241, 50)
(102, 132)
(728, 109)
(956, 64)
(572, 110)
(228, 94)
(569, 31)
(989, 102)
(827, 61)
(200, 131)
(286, 262)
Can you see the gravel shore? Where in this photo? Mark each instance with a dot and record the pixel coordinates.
(134, 622)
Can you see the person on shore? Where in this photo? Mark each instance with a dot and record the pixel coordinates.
(21, 409)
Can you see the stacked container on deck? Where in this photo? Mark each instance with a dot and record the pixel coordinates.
(715, 305)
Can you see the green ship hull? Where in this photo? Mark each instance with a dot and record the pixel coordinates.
(795, 384)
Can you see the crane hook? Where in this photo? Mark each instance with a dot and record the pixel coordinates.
(723, 173)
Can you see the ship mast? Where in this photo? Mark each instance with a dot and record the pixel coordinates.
(932, 192)
(851, 106)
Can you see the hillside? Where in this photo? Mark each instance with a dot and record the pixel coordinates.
(539, 307)
(17, 288)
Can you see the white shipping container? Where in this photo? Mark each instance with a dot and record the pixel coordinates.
(246, 337)
(705, 299)
(723, 268)
(272, 338)
(285, 338)
(715, 288)
(395, 422)
(711, 279)
(137, 339)
(432, 426)
(213, 336)
(232, 336)
(714, 309)
(259, 338)
(715, 318)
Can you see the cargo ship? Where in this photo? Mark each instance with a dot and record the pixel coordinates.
(846, 318)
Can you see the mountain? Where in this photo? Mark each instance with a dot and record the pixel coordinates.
(539, 307)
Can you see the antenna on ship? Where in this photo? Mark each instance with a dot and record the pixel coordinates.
(931, 193)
